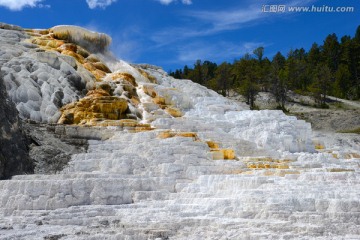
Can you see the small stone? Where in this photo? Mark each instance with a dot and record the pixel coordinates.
(38, 222)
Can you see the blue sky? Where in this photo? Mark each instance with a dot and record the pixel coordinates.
(172, 33)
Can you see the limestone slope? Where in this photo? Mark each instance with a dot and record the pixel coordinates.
(179, 161)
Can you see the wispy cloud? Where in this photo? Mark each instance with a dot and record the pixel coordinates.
(207, 23)
(44, 5)
(225, 19)
(222, 20)
(167, 2)
(99, 3)
(220, 51)
(18, 5)
(105, 3)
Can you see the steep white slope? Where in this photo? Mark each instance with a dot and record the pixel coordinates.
(202, 107)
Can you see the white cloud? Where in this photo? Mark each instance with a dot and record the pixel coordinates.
(167, 2)
(224, 19)
(43, 6)
(187, 2)
(219, 51)
(208, 23)
(17, 5)
(99, 3)
(197, 30)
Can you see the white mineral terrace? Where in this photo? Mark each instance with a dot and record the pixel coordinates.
(142, 185)
(139, 186)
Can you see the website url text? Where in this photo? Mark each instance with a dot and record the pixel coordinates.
(312, 9)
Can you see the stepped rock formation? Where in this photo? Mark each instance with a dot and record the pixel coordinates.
(166, 158)
(96, 104)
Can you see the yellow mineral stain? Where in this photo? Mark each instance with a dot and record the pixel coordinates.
(77, 57)
(151, 79)
(223, 154)
(341, 170)
(159, 100)
(259, 165)
(149, 90)
(319, 146)
(124, 76)
(97, 105)
(174, 112)
(213, 145)
(102, 67)
(171, 134)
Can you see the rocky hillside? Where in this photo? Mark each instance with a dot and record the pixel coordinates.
(14, 158)
(135, 154)
(340, 116)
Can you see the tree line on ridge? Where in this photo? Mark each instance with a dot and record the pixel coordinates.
(332, 68)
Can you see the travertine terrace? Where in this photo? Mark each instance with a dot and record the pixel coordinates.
(181, 162)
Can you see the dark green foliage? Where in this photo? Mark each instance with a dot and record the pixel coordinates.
(343, 82)
(329, 69)
(331, 52)
(247, 72)
(314, 55)
(223, 78)
(278, 78)
(321, 84)
(249, 90)
(259, 53)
